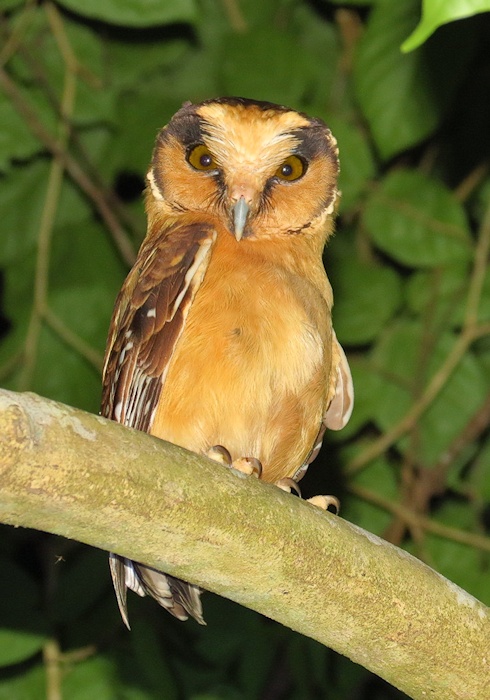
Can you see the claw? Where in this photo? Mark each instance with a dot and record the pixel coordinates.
(245, 465)
(220, 454)
(248, 466)
(288, 485)
(324, 502)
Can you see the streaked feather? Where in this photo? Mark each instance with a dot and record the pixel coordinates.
(148, 321)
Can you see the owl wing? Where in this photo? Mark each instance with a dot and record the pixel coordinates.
(148, 320)
(340, 407)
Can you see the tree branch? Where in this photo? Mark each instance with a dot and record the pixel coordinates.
(77, 475)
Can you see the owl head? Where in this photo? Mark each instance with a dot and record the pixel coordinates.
(263, 169)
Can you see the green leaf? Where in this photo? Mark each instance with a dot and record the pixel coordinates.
(357, 167)
(248, 64)
(10, 4)
(394, 90)
(438, 12)
(480, 472)
(23, 629)
(417, 221)
(354, 2)
(93, 101)
(366, 296)
(19, 645)
(82, 290)
(16, 140)
(406, 358)
(20, 223)
(94, 678)
(461, 564)
(444, 290)
(193, 78)
(150, 657)
(134, 13)
(82, 293)
(133, 139)
(29, 684)
(379, 478)
(366, 396)
(318, 41)
(131, 63)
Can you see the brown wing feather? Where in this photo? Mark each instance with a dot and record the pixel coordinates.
(149, 318)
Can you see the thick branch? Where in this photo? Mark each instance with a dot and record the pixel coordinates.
(77, 475)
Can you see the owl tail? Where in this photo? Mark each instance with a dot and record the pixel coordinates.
(181, 599)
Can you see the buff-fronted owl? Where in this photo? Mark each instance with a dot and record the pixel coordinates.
(221, 339)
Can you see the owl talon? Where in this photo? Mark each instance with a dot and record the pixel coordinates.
(324, 502)
(288, 485)
(219, 454)
(248, 466)
(245, 465)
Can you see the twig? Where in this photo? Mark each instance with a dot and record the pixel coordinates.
(469, 333)
(419, 521)
(12, 43)
(71, 166)
(477, 424)
(243, 539)
(463, 342)
(470, 182)
(77, 655)
(480, 269)
(46, 225)
(73, 340)
(235, 16)
(79, 151)
(51, 654)
(350, 30)
(9, 365)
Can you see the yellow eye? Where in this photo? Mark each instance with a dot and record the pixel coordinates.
(201, 159)
(292, 169)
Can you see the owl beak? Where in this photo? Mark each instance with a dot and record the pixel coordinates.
(240, 213)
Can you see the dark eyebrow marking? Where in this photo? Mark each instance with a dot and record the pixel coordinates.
(186, 128)
(313, 141)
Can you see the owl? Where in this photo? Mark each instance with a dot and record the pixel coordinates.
(221, 339)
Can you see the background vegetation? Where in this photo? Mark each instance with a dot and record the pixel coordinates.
(84, 88)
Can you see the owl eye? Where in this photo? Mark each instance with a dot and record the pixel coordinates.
(201, 159)
(291, 169)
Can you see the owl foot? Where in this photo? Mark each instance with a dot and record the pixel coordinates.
(246, 465)
(324, 502)
(288, 485)
(219, 454)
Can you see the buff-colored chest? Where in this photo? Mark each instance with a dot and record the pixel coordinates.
(251, 368)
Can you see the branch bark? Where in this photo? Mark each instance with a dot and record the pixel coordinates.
(77, 475)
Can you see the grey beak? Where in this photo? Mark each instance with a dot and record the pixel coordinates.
(240, 213)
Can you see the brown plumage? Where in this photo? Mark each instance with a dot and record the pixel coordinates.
(221, 334)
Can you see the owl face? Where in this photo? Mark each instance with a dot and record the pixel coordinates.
(263, 169)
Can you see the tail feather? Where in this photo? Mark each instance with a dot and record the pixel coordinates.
(181, 599)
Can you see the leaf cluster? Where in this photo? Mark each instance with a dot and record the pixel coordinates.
(84, 87)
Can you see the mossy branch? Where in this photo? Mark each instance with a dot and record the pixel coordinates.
(77, 475)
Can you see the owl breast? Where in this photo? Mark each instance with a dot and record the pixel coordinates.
(249, 321)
